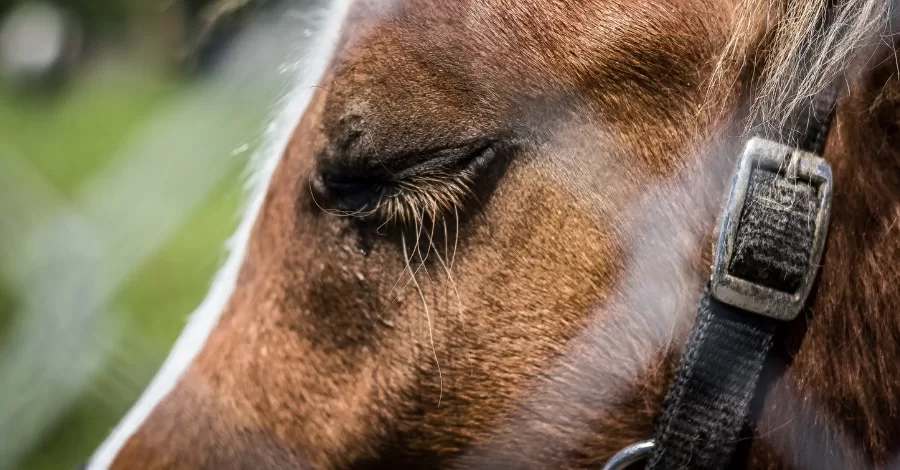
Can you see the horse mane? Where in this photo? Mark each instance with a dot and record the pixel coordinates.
(803, 47)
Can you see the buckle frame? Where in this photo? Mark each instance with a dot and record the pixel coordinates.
(787, 162)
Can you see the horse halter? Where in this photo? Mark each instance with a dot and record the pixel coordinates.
(772, 236)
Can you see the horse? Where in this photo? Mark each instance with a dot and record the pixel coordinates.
(480, 238)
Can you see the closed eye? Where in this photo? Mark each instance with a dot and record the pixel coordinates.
(440, 184)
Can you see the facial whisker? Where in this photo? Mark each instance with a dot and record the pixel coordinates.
(430, 326)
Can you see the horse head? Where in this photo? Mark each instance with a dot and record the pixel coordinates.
(483, 243)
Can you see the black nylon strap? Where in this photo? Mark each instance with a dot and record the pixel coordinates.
(775, 235)
(705, 410)
(709, 402)
(811, 126)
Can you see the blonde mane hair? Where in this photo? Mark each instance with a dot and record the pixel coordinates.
(805, 46)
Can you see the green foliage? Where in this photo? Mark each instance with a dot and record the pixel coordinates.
(99, 13)
(156, 304)
(94, 14)
(71, 134)
(68, 138)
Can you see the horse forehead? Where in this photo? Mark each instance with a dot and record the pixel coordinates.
(463, 12)
(498, 52)
(536, 25)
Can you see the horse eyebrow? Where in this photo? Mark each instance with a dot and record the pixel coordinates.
(327, 23)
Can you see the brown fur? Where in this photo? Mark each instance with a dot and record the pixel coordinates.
(548, 337)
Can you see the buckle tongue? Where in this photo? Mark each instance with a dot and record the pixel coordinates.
(773, 230)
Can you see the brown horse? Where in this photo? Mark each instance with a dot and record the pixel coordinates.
(484, 243)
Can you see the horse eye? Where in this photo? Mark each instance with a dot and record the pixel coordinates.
(426, 186)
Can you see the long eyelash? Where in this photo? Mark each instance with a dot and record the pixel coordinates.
(431, 195)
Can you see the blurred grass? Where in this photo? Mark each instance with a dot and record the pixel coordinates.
(156, 304)
(8, 304)
(69, 136)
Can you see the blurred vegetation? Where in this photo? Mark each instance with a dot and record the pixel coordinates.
(69, 139)
(69, 135)
(97, 15)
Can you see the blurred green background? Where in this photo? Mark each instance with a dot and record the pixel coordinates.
(121, 176)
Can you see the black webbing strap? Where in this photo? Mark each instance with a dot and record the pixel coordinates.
(709, 402)
(814, 122)
(705, 409)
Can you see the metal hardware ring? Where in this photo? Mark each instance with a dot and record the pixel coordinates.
(630, 455)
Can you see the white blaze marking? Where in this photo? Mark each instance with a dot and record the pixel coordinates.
(313, 63)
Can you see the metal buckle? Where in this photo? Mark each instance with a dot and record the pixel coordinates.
(631, 455)
(748, 295)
